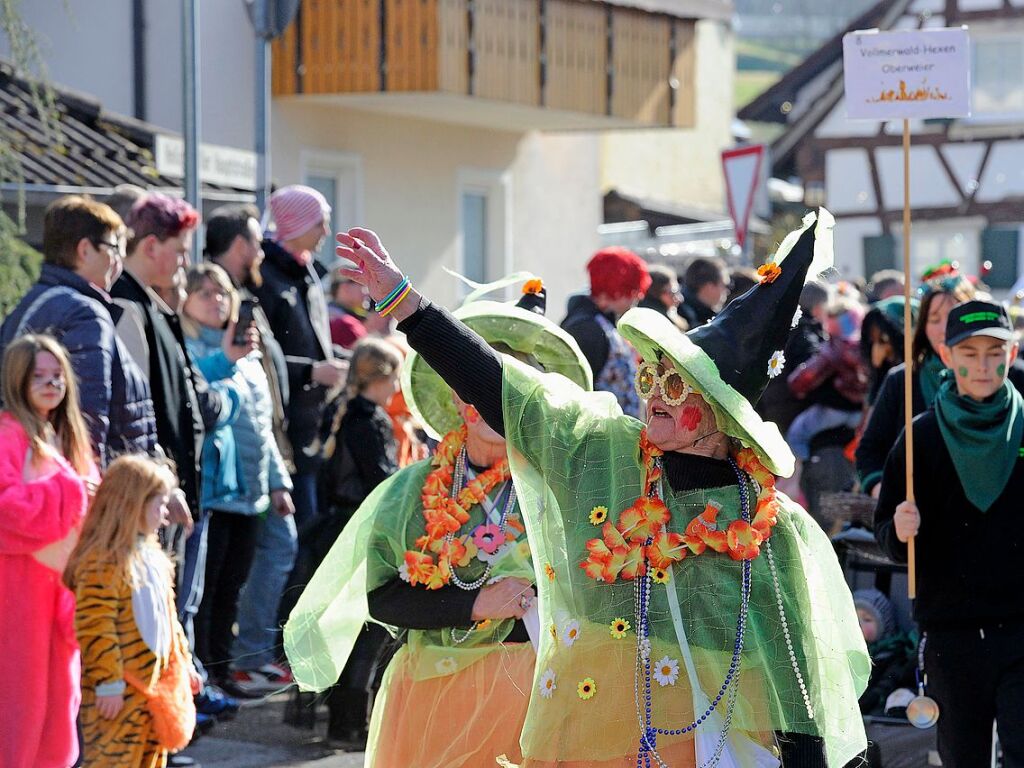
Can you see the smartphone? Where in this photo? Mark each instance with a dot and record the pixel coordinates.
(245, 320)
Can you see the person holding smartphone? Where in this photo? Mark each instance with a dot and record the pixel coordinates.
(244, 476)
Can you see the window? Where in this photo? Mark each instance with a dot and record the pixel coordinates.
(338, 176)
(998, 75)
(484, 253)
(932, 242)
(474, 235)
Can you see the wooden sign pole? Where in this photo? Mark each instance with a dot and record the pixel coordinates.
(908, 346)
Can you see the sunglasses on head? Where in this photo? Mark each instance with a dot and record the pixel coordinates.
(674, 389)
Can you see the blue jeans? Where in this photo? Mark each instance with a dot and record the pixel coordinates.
(258, 602)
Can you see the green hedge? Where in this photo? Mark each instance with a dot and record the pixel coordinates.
(19, 268)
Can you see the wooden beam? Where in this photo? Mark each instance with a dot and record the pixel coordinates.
(876, 184)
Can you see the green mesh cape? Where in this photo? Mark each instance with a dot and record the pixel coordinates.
(572, 451)
(324, 624)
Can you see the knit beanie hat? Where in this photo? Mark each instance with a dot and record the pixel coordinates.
(297, 209)
(877, 604)
(617, 272)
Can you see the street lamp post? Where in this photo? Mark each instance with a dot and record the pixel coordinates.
(269, 19)
(190, 96)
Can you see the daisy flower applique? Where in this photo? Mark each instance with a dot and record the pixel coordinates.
(776, 364)
(570, 633)
(446, 666)
(666, 671)
(547, 683)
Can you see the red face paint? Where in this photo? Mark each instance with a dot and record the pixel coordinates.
(472, 415)
(690, 418)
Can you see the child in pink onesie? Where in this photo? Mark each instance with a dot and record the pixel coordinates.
(46, 473)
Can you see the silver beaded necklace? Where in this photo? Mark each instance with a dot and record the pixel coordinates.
(458, 483)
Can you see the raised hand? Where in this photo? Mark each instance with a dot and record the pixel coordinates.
(375, 268)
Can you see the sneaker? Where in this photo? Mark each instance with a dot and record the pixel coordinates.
(215, 703)
(268, 679)
(204, 724)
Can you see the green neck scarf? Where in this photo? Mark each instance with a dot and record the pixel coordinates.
(929, 375)
(983, 438)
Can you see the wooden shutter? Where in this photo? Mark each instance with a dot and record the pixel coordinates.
(1001, 246)
(879, 253)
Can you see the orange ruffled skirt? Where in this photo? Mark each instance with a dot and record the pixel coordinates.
(461, 720)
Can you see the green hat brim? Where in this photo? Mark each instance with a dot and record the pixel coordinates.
(652, 334)
(430, 399)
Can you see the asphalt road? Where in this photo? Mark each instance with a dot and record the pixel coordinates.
(258, 738)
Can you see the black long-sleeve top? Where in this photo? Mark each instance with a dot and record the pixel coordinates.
(970, 564)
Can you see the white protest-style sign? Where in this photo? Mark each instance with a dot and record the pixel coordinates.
(915, 74)
(742, 169)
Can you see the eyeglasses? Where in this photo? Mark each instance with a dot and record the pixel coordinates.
(208, 294)
(116, 246)
(674, 389)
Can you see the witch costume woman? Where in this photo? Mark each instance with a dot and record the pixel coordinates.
(416, 557)
(691, 614)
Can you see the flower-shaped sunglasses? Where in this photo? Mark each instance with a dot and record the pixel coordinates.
(674, 389)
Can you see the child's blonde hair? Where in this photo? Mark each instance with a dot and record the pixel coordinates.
(117, 518)
(372, 359)
(66, 419)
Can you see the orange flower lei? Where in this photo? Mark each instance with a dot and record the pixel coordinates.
(623, 551)
(444, 515)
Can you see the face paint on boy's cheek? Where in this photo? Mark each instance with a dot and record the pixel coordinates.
(962, 372)
(1001, 370)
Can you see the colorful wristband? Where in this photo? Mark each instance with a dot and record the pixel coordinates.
(394, 292)
(396, 297)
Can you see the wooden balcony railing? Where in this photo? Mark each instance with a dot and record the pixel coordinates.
(574, 56)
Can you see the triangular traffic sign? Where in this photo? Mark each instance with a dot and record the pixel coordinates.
(742, 169)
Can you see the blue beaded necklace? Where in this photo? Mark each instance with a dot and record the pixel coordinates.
(730, 686)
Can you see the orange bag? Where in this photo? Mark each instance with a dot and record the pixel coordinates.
(170, 702)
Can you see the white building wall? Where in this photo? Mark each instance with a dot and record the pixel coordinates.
(848, 238)
(87, 46)
(410, 176)
(682, 165)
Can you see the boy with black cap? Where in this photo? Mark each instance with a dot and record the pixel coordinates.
(970, 544)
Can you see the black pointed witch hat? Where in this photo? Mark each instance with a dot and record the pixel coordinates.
(730, 359)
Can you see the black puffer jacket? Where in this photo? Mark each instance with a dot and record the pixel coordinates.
(581, 324)
(293, 298)
(113, 391)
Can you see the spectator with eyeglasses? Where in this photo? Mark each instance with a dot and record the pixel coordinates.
(83, 251)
